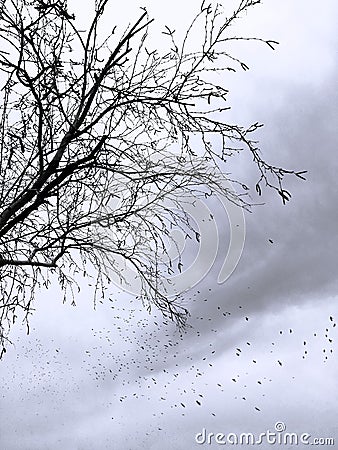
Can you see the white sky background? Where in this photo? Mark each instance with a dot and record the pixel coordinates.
(62, 386)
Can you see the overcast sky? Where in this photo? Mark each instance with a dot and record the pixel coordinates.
(263, 345)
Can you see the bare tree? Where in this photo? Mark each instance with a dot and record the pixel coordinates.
(101, 139)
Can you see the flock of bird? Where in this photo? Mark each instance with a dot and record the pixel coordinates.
(143, 357)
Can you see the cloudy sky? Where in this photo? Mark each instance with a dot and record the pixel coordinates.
(262, 346)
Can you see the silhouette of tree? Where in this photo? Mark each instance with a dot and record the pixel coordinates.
(101, 139)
